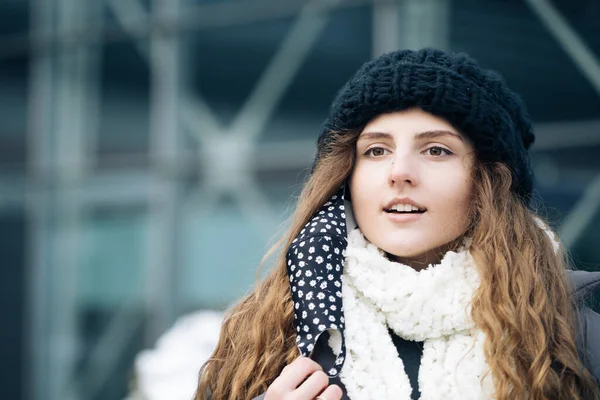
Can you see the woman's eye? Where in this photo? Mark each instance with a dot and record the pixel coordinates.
(437, 151)
(376, 152)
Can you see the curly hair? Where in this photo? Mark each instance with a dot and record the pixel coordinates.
(523, 304)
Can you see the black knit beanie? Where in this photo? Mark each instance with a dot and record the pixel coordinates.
(475, 101)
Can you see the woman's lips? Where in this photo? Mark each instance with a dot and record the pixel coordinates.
(404, 217)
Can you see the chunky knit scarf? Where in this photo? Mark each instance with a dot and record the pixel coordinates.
(431, 305)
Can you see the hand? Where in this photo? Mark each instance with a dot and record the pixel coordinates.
(303, 379)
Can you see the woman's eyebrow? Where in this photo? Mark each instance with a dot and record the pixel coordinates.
(436, 134)
(374, 135)
(419, 136)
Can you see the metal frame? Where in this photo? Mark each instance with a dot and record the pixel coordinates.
(410, 24)
(63, 94)
(53, 383)
(575, 47)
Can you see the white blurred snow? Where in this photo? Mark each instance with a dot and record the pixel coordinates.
(170, 371)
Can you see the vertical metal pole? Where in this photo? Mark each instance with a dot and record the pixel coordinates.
(58, 155)
(410, 24)
(162, 273)
(68, 170)
(39, 154)
(386, 27)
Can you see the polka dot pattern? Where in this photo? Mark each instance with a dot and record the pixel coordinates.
(315, 263)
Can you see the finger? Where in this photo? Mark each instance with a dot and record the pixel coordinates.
(333, 392)
(295, 373)
(314, 385)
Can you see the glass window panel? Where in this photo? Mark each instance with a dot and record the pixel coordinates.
(13, 113)
(123, 134)
(113, 258)
(12, 302)
(14, 17)
(221, 251)
(111, 315)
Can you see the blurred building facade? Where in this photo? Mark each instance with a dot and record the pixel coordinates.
(150, 151)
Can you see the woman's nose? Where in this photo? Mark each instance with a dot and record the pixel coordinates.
(404, 169)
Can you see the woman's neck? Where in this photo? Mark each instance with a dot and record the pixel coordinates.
(431, 257)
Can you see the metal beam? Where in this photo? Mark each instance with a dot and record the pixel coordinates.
(73, 83)
(427, 24)
(585, 60)
(134, 185)
(580, 216)
(282, 69)
(410, 24)
(196, 112)
(161, 284)
(386, 27)
(39, 123)
(161, 275)
(231, 173)
(561, 135)
(115, 338)
(199, 16)
(569, 40)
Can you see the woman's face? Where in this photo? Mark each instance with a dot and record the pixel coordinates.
(411, 185)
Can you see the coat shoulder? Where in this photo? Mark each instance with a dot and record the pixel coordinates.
(583, 283)
(589, 340)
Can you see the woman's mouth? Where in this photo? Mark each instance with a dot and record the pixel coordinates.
(404, 212)
(405, 209)
(404, 216)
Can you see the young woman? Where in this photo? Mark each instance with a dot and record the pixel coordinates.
(415, 265)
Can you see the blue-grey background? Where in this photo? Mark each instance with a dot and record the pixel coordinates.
(150, 151)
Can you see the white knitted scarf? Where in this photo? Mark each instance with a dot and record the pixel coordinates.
(431, 305)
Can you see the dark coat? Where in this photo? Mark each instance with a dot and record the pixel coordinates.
(588, 328)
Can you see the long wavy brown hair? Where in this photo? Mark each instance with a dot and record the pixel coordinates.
(523, 305)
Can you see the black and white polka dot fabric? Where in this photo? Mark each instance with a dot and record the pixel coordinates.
(315, 263)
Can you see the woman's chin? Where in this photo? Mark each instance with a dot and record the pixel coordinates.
(415, 256)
